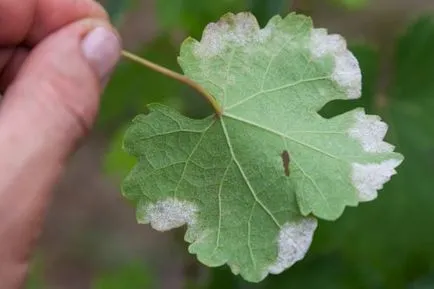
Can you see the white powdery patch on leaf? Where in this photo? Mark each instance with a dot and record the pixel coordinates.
(232, 30)
(370, 131)
(170, 214)
(369, 178)
(346, 72)
(294, 241)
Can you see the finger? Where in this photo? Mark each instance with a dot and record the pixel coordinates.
(47, 109)
(30, 21)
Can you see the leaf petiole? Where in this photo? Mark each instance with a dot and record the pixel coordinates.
(176, 76)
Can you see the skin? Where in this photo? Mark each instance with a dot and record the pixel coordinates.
(50, 99)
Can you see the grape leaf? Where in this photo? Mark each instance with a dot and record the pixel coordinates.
(248, 181)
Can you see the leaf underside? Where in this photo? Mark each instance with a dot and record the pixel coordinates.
(250, 183)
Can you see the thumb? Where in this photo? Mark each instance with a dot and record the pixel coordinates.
(49, 106)
(62, 78)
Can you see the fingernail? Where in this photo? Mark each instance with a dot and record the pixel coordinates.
(102, 49)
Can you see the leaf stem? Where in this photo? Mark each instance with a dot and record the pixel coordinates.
(176, 76)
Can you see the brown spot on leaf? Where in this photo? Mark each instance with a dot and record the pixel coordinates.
(286, 159)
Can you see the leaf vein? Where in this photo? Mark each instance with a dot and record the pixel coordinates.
(285, 86)
(313, 182)
(189, 158)
(220, 208)
(281, 134)
(249, 241)
(272, 58)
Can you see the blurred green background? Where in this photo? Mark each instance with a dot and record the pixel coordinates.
(91, 239)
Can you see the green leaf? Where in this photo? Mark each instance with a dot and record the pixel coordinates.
(247, 182)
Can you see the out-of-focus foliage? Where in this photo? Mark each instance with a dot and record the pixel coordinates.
(352, 4)
(415, 62)
(191, 16)
(423, 283)
(131, 276)
(35, 279)
(117, 162)
(117, 8)
(264, 10)
(397, 240)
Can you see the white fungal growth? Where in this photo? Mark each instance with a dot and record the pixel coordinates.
(265, 33)
(169, 214)
(369, 130)
(232, 30)
(294, 241)
(369, 178)
(346, 72)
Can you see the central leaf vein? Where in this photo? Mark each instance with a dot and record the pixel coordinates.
(240, 168)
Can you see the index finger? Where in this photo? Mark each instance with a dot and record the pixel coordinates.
(29, 21)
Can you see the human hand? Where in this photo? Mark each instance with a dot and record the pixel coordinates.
(55, 57)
